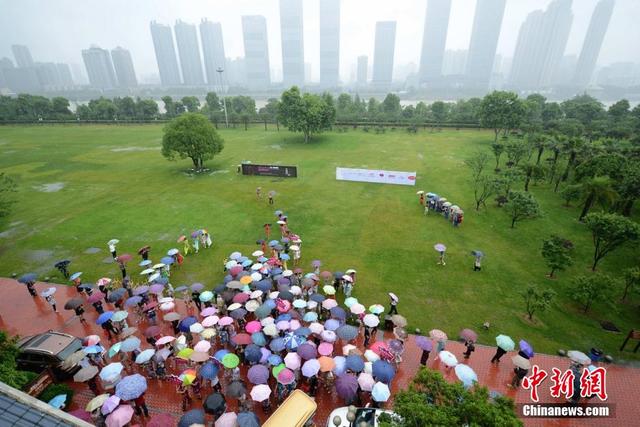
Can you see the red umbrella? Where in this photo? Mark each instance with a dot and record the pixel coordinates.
(241, 298)
(95, 297)
(124, 258)
(181, 239)
(379, 347)
(235, 270)
(150, 306)
(469, 335)
(242, 339)
(152, 331)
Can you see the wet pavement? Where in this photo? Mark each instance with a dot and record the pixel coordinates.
(21, 314)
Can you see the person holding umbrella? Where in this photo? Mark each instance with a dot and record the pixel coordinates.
(144, 252)
(183, 390)
(48, 296)
(504, 344)
(470, 349)
(29, 281)
(123, 269)
(518, 374)
(109, 328)
(267, 230)
(140, 406)
(79, 311)
(62, 267)
(393, 304)
(112, 247)
(258, 193)
(271, 195)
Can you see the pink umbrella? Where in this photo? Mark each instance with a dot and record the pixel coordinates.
(165, 340)
(316, 328)
(225, 321)
(282, 325)
(260, 392)
(228, 419)
(286, 376)
(120, 417)
(357, 309)
(379, 347)
(253, 326)
(437, 335)
(328, 304)
(294, 324)
(328, 336)
(283, 305)
(366, 381)
(103, 282)
(202, 346)
(110, 404)
(292, 361)
(210, 321)
(91, 340)
(469, 335)
(325, 349)
(241, 298)
(209, 311)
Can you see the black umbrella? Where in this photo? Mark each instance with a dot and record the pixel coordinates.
(116, 295)
(73, 303)
(87, 286)
(215, 403)
(61, 264)
(236, 389)
(194, 416)
(286, 295)
(317, 298)
(28, 278)
(227, 296)
(247, 419)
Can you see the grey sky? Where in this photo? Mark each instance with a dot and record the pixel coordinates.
(57, 30)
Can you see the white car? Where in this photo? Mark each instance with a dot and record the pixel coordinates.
(369, 415)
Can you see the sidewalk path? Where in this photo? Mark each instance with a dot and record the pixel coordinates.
(21, 314)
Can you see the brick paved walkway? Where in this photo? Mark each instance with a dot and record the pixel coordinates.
(23, 315)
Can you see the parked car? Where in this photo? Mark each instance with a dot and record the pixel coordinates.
(368, 415)
(48, 350)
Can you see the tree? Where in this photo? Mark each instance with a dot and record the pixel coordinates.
(515, 150)
(126, 107)
(307, 113)
(477, 164)
(7, 188)
(270, 111)
(9, 373)
(169, 106)
(597, 190)
(502, 112)
(60, 107)
(191, 135)
(391, 106)
(609, 232)
(587, 289)
(521, 206)
(191, 103)
(483, 185)
(536, 300)
(531, 171)
(213, 102)
(571, 193)
(556, 251)
(439, 112)
(431, 397)
(497, 148)
(146, 109)
(631, 280)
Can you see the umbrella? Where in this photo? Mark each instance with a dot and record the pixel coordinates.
(186, 323)
(380, 392)
(85, 374)
(331, 325)
(316, 328)
(124, 258)
(329, 290)
(354, 363)
(248, 419)
(258, 374)
(310, 368)
(424, 343)
(147, 271)
(521, 362)
(94, 349)
(505, 342)
(285, 376)
(130, 302)
(438, 335)
(116, 295)
(209, 311)
(376, 308)
(346, 386)
(466, 374)
(478, 254)
(326, 364)
(165, 340)
(110, 404)
(468, 335)
(28, 278)
(292, 361)
(170, 317)
(74, 276)
(225, 321)
(73, 303)
(197, 287)
(145, 356)
(196, 328)
(383, 371)
(260, 392)
(230, 361)
(399, 321)
(579, 357)
(120, 417)
(306, 351)
(325, 349)
(141, 290)
(440, 247)
(239, 313)
(145, 263)
(371, 320)
(152, 331)
(209, 370)
(111, 372)
(214, 403)
(228, 419)
(48, 292)
(130, 344)
(192, 417)
(338, 313)
(113, 242)
(526, 348)
(236, 389)
(366, 381)
(448, 358)
(95, 297)
(357, 309)
(187, 377)
(131, 387)
(96, 402)
(328, 336)
(292, 341)
(161, 420)
(202, 346)
(347, 332)
(185, 353)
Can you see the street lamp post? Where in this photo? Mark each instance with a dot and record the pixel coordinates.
(220, 70)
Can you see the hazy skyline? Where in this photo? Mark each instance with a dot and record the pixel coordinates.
(57, 31)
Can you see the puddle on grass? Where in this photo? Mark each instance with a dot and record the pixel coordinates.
(108, 260)
(276, 146)
(49, 188)
(420, 156)
(220, 171)
(92, 251)
(129, 149)
(38, 255)
(163, 237)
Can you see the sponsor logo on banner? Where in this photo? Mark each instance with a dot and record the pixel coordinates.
(376, 176)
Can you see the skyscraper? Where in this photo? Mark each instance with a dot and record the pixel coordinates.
(64, 72)
(453, 62)
(22, 55)
(559, 18)
(123, 65)
(189, 50)
(165, 54)
(363, 64)
(329, 43)
(593, 42)
(292, 42)
(383, 52)
(212, 50)
(487, 23)
(256, 51)
(436, 24)
(99, 67)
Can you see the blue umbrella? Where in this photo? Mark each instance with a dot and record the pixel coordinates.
(117, 294)
(383, 371)
(466, 375)
(130, 344)
(107, 315)
(186, 323)
(284, 257)
(242, 259)
(220, 354)
(131, 387)
(273, 243)
(161, 281)
(278, 212)
(331, 325)
(355, 363)
(262, 311)
(94, 349)
(303, 332)
(252, 353)
(167, 260)
(197, 287)
(247, 263)
(145, 263)
(277, 344)
(347, 332)
(292, 341)
(181, 288)
(74, 276)
(247, 419)
(274, 360)
(278, 247)
(141, 290)
(130, 302)
(259, 339)
(317, 298)
(228, 278)
(239, 313)
(270, 303)
(58, 401)
(264, 285)
(28, 278)
(194, 416)
(276, 271)
(310, 316)
(209, 371)
(338, 313)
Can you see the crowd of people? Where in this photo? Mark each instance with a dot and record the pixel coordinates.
(431, 202)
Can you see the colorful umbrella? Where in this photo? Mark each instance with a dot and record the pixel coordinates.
(468, 335)
(346, 386)
(521, 362)
(466, 374)
(380, 392)
(505, 342)
(131, 387)
(230, 361)
(120, 417)
(310, 368)
(260, 392)
(383, 371)
(448, 358)
(526, 348)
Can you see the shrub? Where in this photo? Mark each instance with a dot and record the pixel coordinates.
(55, 389)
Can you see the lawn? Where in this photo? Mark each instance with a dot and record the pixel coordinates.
(113, 183)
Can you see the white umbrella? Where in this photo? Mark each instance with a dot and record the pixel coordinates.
(48, 292)
(448, 358)
(371, 320)
(113, 242)
(579, 357)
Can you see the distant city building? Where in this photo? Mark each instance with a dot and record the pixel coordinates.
(620, 74)
(5, 63)
(453, 62)
(383, 52)
(329, 43)
(557, 31)
(363, 64)
(99, 67)
(487, 23)
(236, 73)
(436, 24)
(292, 37)
(165, 54)
(22, 55)
(212, 50)
(189, 50)
(256, 51)
(22, 80)
(64, 74)
(48, 76)
(123, 65)
(593, 42)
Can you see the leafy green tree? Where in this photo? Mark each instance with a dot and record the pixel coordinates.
(515, 151)
(372, 107)
(439, 112)
(502, 112)
(391, 106)
(536, 300)
(521, 206)
(270, 110)
(587, 289)
(213, 102)
(191, 103)
(620, 110)
(307, 113)
(609, 232)
(60, 107)
(628, 187)
(631, 281)
(169, 106)
(483, 186)
(126, 107)
(146, 109)
(9, 373)
(533, 172)
(191, 135)
(571, 193)
(430, 399)
(7, 190)
(556, 252)
(497, 148)
(597, 190)
(103, 108)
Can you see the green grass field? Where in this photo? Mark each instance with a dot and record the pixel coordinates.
(117, 185)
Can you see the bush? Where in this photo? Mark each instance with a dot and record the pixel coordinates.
(55, 389)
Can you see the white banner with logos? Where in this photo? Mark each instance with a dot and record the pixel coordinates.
(376, 175)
